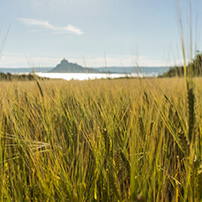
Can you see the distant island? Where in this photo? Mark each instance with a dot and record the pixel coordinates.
(68, 67)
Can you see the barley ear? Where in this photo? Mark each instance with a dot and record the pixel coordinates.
(142, 127)
(199, 184)
(184, 143)
(191, 102)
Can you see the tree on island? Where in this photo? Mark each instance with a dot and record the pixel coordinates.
(194, 68)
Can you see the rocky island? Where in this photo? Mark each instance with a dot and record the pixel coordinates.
(68, 67)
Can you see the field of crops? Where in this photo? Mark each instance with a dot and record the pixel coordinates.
(102, 140)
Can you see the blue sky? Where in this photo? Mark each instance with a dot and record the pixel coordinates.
(94, 32)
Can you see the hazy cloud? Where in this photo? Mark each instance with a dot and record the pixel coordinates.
(43, 3)
(20, 60)
(57, 29)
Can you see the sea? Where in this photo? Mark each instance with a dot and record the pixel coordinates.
(107, 73)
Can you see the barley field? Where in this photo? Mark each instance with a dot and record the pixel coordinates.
(102, 140)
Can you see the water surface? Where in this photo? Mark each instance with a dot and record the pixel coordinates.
(86, 76)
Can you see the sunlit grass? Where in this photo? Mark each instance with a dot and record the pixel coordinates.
(103, 140)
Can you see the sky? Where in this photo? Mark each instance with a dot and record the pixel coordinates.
(96, 33)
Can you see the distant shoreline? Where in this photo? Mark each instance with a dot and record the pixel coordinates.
(112, 70)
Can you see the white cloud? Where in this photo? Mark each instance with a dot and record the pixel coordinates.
(57, 29)
(73, 29)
